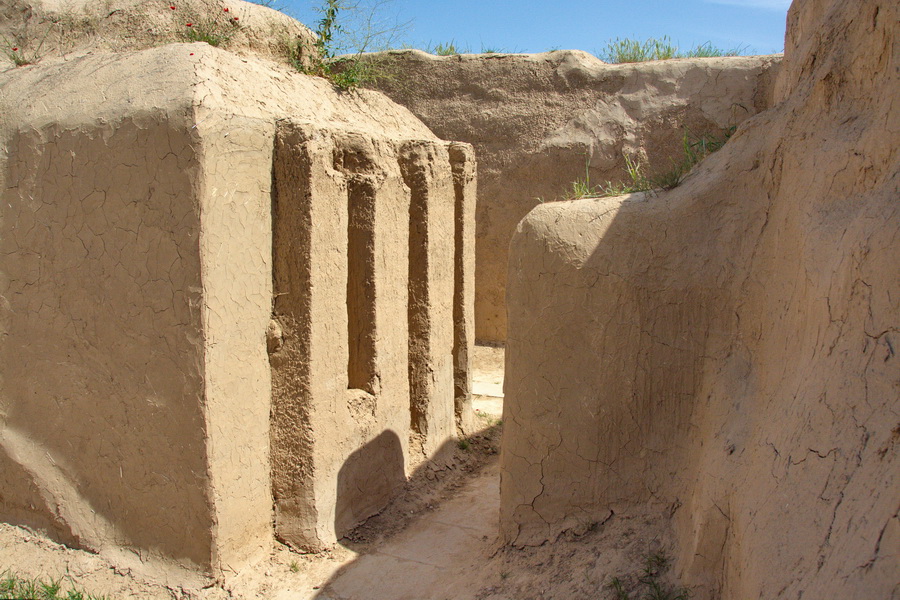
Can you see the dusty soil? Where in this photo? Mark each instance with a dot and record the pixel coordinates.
(438, 541)
(487, 380)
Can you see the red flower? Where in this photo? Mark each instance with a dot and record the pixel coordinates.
(226, 10)
(172, 7)
(234, 18)
(192, 53)
(15, 49)
(188, 24)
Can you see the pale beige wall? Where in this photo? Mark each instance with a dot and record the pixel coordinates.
(462, 161)
(537, 121)
(136, 292)
(365, 255)
(102, 347)
(236, 266)
(725, 351)
(428, 175)
(136, 289)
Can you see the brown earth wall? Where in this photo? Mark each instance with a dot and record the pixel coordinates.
(368, 320)
(726, 351)
(540, 122)
(137, 294)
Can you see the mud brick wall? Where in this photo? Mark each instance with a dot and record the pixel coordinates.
(373, 283)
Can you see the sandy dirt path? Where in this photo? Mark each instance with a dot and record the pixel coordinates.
(437, 541)
(435, 558)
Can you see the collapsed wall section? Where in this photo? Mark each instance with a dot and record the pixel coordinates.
(366, 323)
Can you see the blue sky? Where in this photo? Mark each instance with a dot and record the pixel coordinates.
(539, 25)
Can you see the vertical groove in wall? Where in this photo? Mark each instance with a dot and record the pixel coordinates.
(463, 170)
(414, 176)
(291, 443)
(361, 284)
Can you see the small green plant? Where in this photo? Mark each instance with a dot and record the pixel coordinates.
(295, 566)
(694, 149)
(344, 73)
(630, 51)
(648, 584)
(636, 181)
(14, 587)
(448, 49)
(16, 55)
(463, 444)
(215, 31)
(582, 188)
(18, 51)
(707, 50)
(619, 589)
(492, 421)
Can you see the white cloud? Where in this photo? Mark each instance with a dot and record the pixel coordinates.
(780, 5)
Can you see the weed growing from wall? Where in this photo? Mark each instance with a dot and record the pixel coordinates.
(345, 73)
(20, 50)
(448, 49)
(215, 30)
(630, 51)
(694, 149)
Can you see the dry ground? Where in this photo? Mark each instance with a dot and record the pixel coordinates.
(438, 541)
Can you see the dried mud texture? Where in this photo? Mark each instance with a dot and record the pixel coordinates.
(43, 29)
(136, 296)
(538, 121)
(373, 313)
(728, 349)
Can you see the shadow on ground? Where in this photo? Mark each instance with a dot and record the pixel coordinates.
(437, 531)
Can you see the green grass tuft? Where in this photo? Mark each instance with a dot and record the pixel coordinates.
(647, 585)
(14, 587)
(630, 51)
(448, 49)
(694, 149)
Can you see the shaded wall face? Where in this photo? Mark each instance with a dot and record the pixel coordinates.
(103, 432)
(365, 332)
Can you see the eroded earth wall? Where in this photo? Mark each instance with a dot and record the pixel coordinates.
(726, 351)
(540, 122)
(136, 299)
(136, 247)
(372, 310)
(103, 364)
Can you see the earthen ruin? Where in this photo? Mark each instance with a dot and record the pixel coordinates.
(538, 122)
(238, 305)
(162, 232)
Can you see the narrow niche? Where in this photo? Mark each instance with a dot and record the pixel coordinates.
(415, 178)
(361, 374)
